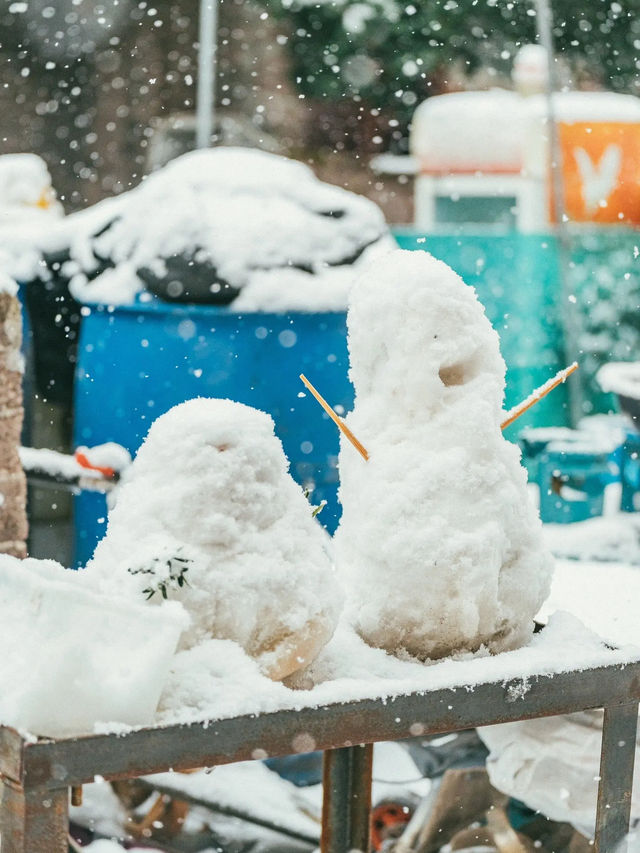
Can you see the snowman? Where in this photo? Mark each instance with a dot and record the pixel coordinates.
(438, 543)
(209, 516)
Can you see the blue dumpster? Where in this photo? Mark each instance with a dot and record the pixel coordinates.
(136, 362)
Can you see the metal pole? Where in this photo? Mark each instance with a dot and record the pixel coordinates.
(205, 107)
(33, 820)
(545, 35)
(616, 777)
(346, 807)
(568, 312)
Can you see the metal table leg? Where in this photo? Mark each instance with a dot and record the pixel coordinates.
(33, 820)
(616, 777)
(346, 807)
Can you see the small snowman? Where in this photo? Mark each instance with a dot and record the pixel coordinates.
(438, 543)
(209, 516)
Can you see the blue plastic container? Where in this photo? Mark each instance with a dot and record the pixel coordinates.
(136, 362)
(630, 474)
(572, 483)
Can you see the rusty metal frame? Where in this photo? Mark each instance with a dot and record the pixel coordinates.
(35, 775)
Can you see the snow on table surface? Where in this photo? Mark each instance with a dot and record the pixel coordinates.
(217, 679)
(224, 685)
(604, 596)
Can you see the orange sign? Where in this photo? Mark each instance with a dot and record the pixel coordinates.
(601, 167)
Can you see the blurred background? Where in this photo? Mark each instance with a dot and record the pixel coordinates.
(91, 86)
(502, 136)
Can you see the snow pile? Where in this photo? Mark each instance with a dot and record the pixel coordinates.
(439, 544)
(203, 227)
(326, 289)
(29, 214)
(25, 190)
(72, 656)
(229, 684)
(610, 538)
(209, 516)
(471, 130)
(247, 787)
(621, 378)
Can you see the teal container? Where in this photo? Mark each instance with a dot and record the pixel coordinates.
(631, 472)
(572, 484)
(516, 279)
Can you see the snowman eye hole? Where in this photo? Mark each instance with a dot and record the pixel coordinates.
(454, 374)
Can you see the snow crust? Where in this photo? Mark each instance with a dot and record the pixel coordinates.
(439, 545)
(72, 656)
(208, 498)
(327, 289)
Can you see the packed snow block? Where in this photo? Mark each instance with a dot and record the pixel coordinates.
(209, 515)
(73, 656)
(438, 544)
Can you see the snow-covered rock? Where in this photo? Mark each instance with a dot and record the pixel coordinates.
(74, 656)
(209, 515)
(438, 543)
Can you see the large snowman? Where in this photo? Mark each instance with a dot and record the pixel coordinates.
(209, 516)
(439, 544)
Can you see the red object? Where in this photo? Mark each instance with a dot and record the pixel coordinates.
(388, 818)
(81, 459)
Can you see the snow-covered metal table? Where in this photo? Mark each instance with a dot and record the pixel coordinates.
(36, 775)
